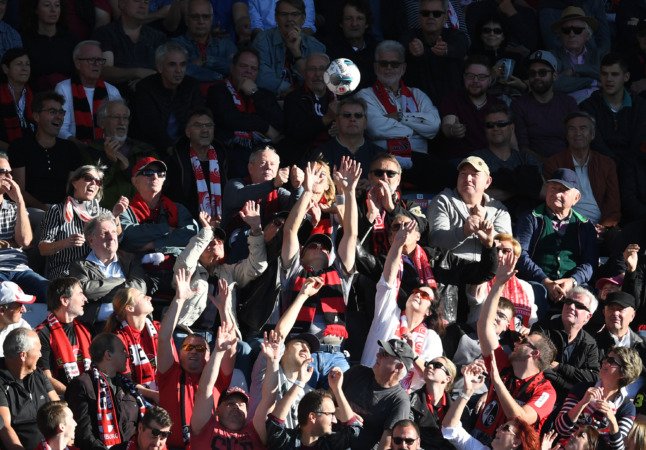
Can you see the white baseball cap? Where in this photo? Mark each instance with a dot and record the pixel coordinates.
(10, 292)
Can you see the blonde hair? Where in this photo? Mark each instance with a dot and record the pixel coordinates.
(636, 439)
(453, 371)
(122, 299)
(506, 237)
(330, 193)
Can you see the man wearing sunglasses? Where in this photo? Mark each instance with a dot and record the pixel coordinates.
(152, 431)
(405, 436)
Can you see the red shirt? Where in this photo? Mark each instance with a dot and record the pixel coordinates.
(213, 436)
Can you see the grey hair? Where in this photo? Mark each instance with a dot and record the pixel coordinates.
(391, 46)
(94, 223)
(78, 173)
(80, 45)
(102, 112)
(4, 155)
(165, 49)
(318, 55)
(580, 290)
(256, 154)
(18, 341)
(445, 3)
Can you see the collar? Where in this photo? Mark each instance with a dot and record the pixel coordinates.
(93, 258)
(4, 204)
(585, 164)
(626, 101)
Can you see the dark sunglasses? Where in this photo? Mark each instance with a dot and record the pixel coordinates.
(393, 64)
(380, 173)
(150, 173)
(489, 30)
(401, 440)
(524, 341)
(89, 179)
(200, 348)
(499, 124)
(506, 428)
(427, 12)
(577, 304)
(425, 295)
(538, 73)
(396, 226)
(613, 361)
(347, 115)
(568, 30)
(5, 172)
(159, 433)
(436, 365)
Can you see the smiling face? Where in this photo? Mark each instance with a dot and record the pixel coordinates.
(87, 186)
(477, 79)
(192, 358)
(49, 118)
(579, 133)
(297, 351)
(18, 70)
(353, 23)
(420, 301)
(618, 318)
(492, 35)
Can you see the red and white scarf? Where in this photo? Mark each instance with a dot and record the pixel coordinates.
(397, 146)
(209, 202)
(418, 336)
(66, 354)
(86, 211)
(513, 290)
(245, 106)
(143, 370)
(423, 267)
(144, 214)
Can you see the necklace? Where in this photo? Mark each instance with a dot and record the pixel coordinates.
(479, 106)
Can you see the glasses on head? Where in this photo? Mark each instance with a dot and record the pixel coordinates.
(425, 295)
(291, 15)
(94, 61)
(326, 413)
(428, 12)
(436, 365)
(506, 428)
(476, 76)
(499, 124)
(613, 361)
(575, 30)
(524, 340)
(90, 179)
(577, 304)
(202, 126)
(490, 30)
(381, 172)
(538, 73)
(54, 111)
(400, 440)
(200, 348)
(158, 433)
(149, 173)
(200, 16)
(5, 172)
(347, 115)
(393, 64)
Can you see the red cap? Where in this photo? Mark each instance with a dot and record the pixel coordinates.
(145, 162)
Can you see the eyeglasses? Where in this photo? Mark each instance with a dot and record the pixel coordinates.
(200, 16)
(576, 30)
(613, 361)
(158, 433)
(94, 61)
(54, 111)
(380, 173)
(425, 295)
(149, 173)
(427, 12)
(347, 115)
(397, 226)
(476, 76)
(436, 365)
(489, 30)
(325, 413)
(394, 64)
(90, 179)
(115, 117)
(577, 304)
(499, 124)
(291, 15)
(504, 250)
(538, 73)
(507, 428)
(5, 172)
(523, 340)
(400, 440)
(202, 126)
(200, 348)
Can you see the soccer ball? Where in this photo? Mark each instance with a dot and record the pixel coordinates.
(342, 76)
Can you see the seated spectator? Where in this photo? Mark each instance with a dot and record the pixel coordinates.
(246, 116)
(283, 49)
(264, 15)
(619, 313)
(116, 151)
(139, 335)
(376, 394)
(456, 215)
(310, 111)
(192, 161)
(10, 37)
(65, 341)
(16, 233)
(403, 432)
(23, 389)
(577, 355)
(316, 415)
(81, 19)
(152, 431)
(603, 404)
(102, 424)
(633, 283)
(351, 121)
(634, 55)
(596, 174)
(12, 307)
(559, 244)
(516, 176)
(61, 237)
(539, 114)
(354, 42)
(42, 163)
(637, 433)
(48, 44)
(435, 53)
(578, 58)
(104, 271)
(530, 397)
(16, 96)
(208, 56)
(162, 101)
(129, 46)
(630, 15)
(57, 425)
(620, 117)
(84, 93)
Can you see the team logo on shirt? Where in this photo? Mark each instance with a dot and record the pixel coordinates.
(489, 413)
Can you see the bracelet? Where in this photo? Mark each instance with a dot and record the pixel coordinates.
(300, 384)
(464, 395)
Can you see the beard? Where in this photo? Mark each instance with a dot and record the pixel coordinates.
(540, 87)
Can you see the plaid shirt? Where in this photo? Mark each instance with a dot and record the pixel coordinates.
(11, 259)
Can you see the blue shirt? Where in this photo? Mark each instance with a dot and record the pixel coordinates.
(9, 38)
(215, 65)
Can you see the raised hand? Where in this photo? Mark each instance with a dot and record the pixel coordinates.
(315, 212)
(473, 378)
(348, 174)
(506, 267)
(312, 173)
(183, 284)
(220, 300)
(311, 286)
(205, 219)
(226, 338)
(121, 205)
(592, 394)
(296, 176)
(282, 176)
(486, 233)
(335, 379)
(404, 233)
(305, 372)
(548, 440)
(631, 256)
(271, 346)
(250, 214)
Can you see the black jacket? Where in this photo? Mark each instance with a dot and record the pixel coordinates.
(430, 424)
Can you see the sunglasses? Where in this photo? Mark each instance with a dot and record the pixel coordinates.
(568, 30)
(525, 341)
(380, 173)
(499, 124)
(315, 246)
(489, 30)
(347, 115)
(427, 13)
(159, 433)
(149, 173)
(5, 172)
(396, 226)
(400, 440)
(393, 64)
(538, 73)
(613, 361)
(200, 348)
(506, 428)
(89, 179)
(425, 295)
(474, 76)
(577, 304)
(436, 365)
(94, 61)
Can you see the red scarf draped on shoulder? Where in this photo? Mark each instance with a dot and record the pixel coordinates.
(86, 127)
(143, 213)
(397, 146)
(514, 291)
(10, 119)
(423, 267)
(142, 348)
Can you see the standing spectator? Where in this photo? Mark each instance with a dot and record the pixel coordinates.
(12, 307)
(152, 431)
(10, 37)
(16, 96)
(57, 425)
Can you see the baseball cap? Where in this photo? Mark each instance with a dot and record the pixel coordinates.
(621, 298)
(323, 239)
(10, 292)
(143, 163)
(234, 390)
(566, 177)
(617, 280)
(308, 338)
(400, 350)
(477, 163)
(545, 57)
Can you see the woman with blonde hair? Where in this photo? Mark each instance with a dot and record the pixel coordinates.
(131, 323)
(323, 204)
(636, 439)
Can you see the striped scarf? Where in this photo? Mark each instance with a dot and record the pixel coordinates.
(14, 122)
(143, 368)
(513, 291)
(86, 127)
(244, 105)
(423, 267)
(85, 211)
(209, 202)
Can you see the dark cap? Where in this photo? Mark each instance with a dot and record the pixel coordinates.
(234, 390)
(400, 350)
(621, 298)
(566, 177)
(145, 162)
(323, 239)
(219, 233)
(311, 340)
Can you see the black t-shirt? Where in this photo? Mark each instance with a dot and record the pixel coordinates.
(47, 359)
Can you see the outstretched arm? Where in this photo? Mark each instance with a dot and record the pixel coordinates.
(393, 259)
(344, 411)
(165, 358)
(271, 350)
(287, 320)
(347, 177)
